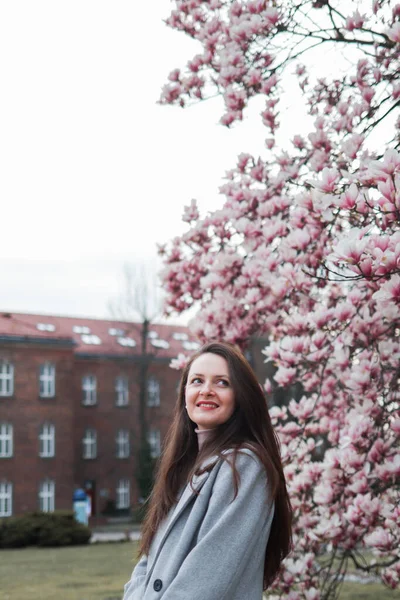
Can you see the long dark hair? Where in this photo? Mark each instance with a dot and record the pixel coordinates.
(249, 427)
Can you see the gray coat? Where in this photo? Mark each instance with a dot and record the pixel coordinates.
(211, 546)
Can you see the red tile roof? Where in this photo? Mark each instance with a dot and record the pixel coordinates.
(99, 336)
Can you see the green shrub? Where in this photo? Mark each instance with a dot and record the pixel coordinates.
(43, 529)
(63, 532)
(32, 523)
(80, 535)
(15, 533)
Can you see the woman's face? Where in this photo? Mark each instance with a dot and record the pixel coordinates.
(209, 396)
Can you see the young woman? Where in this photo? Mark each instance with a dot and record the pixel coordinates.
(219, 518)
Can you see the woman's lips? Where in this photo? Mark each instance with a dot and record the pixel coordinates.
(207, 405)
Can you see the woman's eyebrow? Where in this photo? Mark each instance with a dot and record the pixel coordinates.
(202, 375)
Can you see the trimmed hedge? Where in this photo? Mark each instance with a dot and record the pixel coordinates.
(43, 529)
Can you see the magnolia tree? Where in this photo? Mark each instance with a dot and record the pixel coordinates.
(306, 250)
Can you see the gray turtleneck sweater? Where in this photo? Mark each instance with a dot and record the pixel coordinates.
(202, 435)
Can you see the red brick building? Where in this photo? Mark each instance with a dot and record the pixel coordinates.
(69, 408)
(69, 411)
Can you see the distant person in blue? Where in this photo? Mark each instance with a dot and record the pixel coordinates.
(81, 506)
(219, 518)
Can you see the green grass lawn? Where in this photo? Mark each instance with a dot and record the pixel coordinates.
(369, 591)
(95, 572)
(98, 572)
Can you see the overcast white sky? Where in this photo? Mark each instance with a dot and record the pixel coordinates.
(94, 172)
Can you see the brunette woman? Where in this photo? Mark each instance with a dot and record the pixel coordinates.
(219, 519)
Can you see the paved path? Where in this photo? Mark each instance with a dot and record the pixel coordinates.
(114, 536)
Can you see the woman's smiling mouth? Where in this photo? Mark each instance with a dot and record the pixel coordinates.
(207, 405)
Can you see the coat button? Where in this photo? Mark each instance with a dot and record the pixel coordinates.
(157, 585)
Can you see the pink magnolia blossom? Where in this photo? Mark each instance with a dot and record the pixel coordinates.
(284, 376)
(191, 212)
(277, 412)
(389, 165)
(352, 145)
(179, 362)
(306, 251)
(394, 32)
(395, 425)
(379, 539)
(268, 387)
(355, 21)
(390, 469)
(389, 292)
(351, 247)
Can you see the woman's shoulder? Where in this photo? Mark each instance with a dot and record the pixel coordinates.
(243, 451)
(243, 458)
(238, 459)
(240, 473)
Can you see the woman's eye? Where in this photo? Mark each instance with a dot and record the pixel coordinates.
(196, 380)
(223, 382)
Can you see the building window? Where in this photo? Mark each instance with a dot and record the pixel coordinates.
(123, 494)
(89, 389)
(46, 496)
(45, 327)
(80, 329)
(89, 443)
(47, 441)
(47, 380)
(91, 339)
(121, 391)
(6, 440)
(116, 331)
(154, 439)
(5, 499)
(6, 378)
(153, 392)
(122, 440)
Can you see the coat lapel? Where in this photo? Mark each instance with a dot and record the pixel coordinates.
(190, 490)
(187, 495)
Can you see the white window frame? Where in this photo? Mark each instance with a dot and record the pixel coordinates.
(45, 327)
(80, 329)
(89, 389)
(47, 443)
(121, 391)
(122, 443)
(123, 493)
(154, 440)
(47, 380)
(153, 391)
(6, 498)
(47, 492)
(115, 331)
(91, 339)
(6, 378)
(6, 440)
(89, 444)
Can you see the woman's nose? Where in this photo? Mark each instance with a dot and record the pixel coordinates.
(206, 388)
